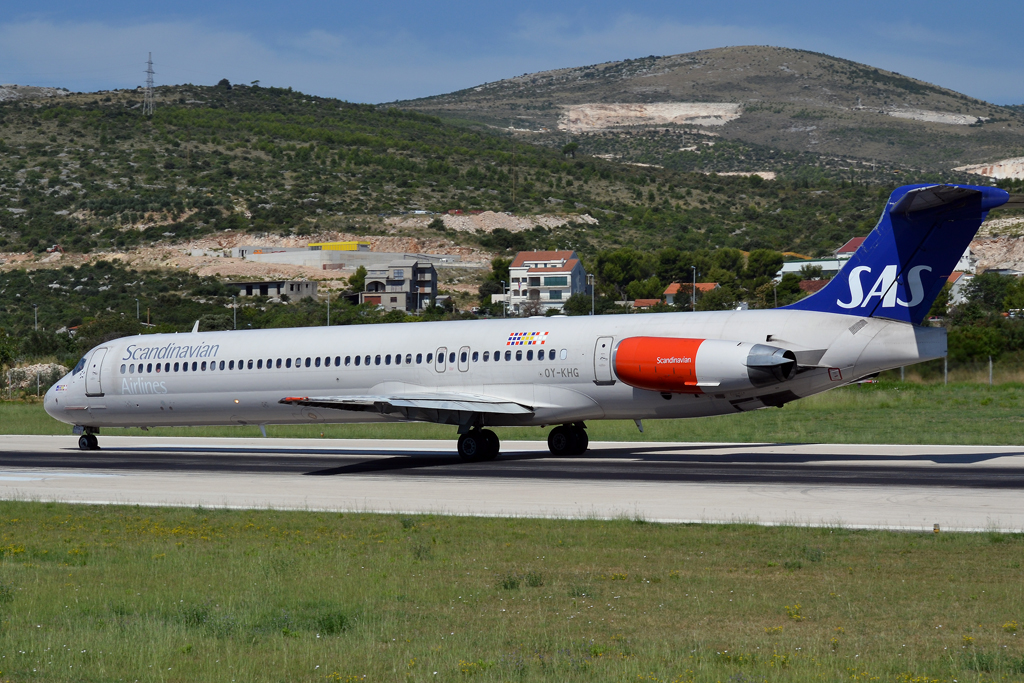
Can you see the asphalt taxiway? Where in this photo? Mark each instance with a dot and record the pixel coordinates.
(900, 487)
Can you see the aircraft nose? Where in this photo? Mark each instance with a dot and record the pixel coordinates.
(50, 401)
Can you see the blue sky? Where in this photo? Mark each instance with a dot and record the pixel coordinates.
(390, 49)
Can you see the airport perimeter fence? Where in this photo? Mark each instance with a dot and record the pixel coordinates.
(32, 380)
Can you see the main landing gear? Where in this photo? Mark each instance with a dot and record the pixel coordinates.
(477, 445)
(568, 439)
(88, 442)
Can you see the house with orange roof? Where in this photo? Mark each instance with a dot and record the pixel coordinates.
(547, 277)
(681, 291)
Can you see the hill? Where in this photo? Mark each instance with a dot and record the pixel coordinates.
(762, 100)
(91, 173)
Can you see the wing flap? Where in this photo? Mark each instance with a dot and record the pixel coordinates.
(446, 402)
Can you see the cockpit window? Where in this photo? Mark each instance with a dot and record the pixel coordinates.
(79, 367)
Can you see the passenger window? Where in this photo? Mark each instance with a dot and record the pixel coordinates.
(463, 357)
(122, 368)
(366, 359)
(231, 365)
(317, 361)
(508, 355)
(204, 366)
(259, 364)
(387, 359)
(398, 359)
(419, 358)
(158, 367)
(551, 354)
(430, 358)
(529, 355)
(358, 358)
(308, 361)
(131, 369)
(184, 367)
(298, 362)
(519, 354)
(167, 367)
(563, 354)
(222, 365)
(327, 361)
(287, 362)
(376, 361)
(408, 358)
(175, 367)
(476, 356)
(348, 360)
(487, 356)
(451, 357)
(249, 364)
(278, 362)
(337, 361)
(497, 355)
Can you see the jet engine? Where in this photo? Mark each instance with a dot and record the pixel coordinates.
(694, 366)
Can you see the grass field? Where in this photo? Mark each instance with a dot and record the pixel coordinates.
(126, 593)
(887, 412)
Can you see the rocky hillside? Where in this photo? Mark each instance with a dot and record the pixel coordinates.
(765, 99)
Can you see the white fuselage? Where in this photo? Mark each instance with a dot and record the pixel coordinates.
(139, 381)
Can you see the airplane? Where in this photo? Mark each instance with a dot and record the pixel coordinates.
(542, 371)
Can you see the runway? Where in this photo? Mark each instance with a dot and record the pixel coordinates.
(900, 487)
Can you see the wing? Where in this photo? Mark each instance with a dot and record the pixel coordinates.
(443, 408)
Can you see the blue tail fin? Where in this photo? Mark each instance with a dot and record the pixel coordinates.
(903, 264)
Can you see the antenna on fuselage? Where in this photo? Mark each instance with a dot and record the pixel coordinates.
(195, 328)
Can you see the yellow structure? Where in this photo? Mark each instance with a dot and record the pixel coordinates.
(339, 246)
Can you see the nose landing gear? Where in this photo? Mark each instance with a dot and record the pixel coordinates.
(568, 439)
(88, 442)
(478, 445)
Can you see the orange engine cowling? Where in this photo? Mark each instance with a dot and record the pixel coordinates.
(659, 363)
(693, 366)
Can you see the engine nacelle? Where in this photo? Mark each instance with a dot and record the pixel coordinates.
(695, 366)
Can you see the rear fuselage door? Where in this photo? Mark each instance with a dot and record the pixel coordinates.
(93, 382)
(603, 361)
(439, 360)
(464, 359)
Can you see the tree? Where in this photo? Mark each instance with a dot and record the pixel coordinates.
(989, 291)
(358, 280)
(645, 289)
(763, 263)
(570, 149)
(437, 224)
(8, 349)
(720, 299)
(577, 304)
(224, 83)
(530, 308)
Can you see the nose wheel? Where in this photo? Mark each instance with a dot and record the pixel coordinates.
(568, 440)
(479, 444)
(88, 442)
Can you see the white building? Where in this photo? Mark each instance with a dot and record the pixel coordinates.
(547, 277)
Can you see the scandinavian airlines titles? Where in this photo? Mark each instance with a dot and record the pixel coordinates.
(883, 288)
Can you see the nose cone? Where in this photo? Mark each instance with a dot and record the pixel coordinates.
(51, 402)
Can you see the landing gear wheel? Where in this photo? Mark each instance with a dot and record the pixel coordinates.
(561, 441)
(88, 442)
(492, 444)
(472, 446)
(582, 440)
(568, 440)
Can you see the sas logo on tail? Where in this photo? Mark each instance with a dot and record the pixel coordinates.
(883, 288)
